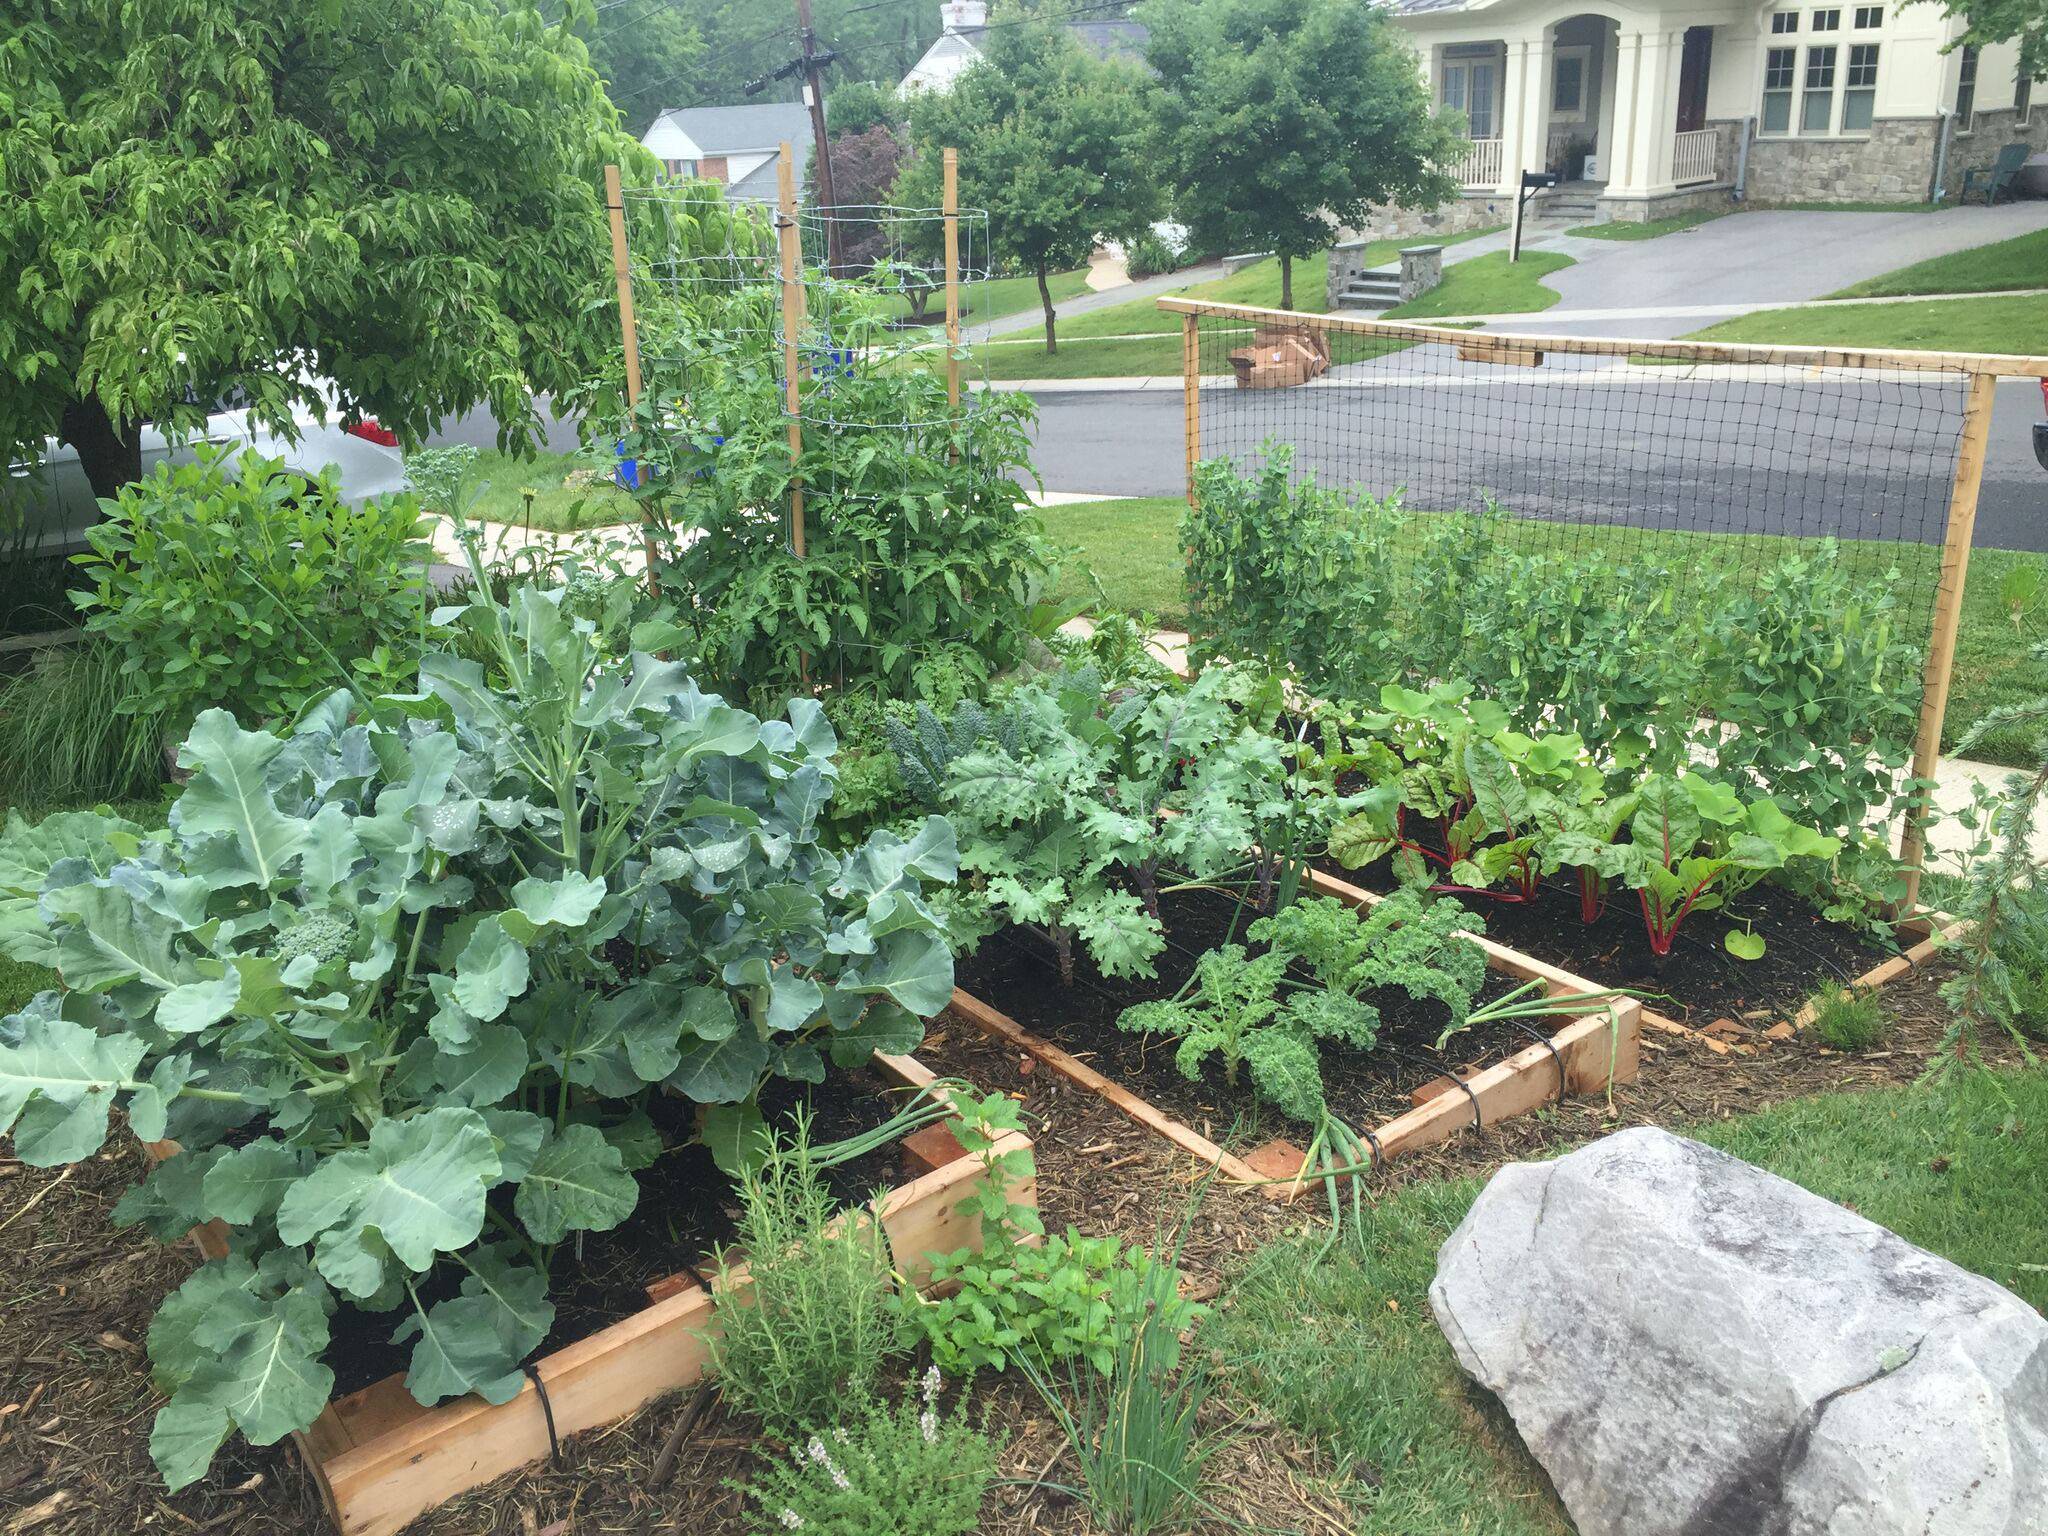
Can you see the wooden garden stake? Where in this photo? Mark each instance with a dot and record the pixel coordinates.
(952, 211)
(1191, 392)
(622, 271)
(792, 324)
(1948, 608)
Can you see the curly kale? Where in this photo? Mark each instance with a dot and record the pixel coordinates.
(1408, 941)
(325, 936)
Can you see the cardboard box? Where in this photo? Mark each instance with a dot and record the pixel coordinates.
(1281, 357)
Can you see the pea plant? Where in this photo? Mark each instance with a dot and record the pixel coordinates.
(400, 982)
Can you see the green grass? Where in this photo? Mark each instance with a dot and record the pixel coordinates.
(1490, 285)
(1133, 549)
(2021, 262)
(1650, 229)
(1156, 351)
(1993, 324)
(1346, 1350)
(558, 504)
(999, 297)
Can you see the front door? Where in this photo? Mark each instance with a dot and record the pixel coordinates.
(1692, 78)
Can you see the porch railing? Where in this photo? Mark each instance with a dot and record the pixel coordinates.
(1694, 156)
(1481, 165)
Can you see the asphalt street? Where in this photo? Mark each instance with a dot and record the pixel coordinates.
(1870, 460)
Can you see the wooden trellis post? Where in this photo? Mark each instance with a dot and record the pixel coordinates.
(1191, 392)
(1948, 610)
(792, 325)
(622, 272)
(952, 212)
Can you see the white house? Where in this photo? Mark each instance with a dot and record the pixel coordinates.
(735, 145)
(1655, 108)
(965, 21)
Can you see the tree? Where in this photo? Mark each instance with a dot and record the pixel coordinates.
(2003, 21)
(858, 105)
(865, 167)
(648, 56)
(205, 198)
(1054, 143)
(1283, 120)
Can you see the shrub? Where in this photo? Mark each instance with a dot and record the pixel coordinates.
(902, 1471)
(1149, 256)
(1849, 1020)
(818, 1327)
(236, 584)
(425, 961)
(1284, 573)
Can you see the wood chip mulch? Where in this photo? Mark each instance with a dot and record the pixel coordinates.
(76, 1296)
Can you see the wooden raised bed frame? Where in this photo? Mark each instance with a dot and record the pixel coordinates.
(1588, 1054)
(381, 1459)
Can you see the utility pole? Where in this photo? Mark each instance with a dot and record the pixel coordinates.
(811, 65)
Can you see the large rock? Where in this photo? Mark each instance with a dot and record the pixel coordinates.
(1692, 1346)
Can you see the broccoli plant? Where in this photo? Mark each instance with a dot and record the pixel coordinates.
(400, 982)
(1693, 844)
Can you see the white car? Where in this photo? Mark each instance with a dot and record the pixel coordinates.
(58, 504)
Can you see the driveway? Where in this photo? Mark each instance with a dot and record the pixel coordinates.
(1749, 259)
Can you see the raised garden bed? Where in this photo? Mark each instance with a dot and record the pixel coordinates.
(380, 1459)
(1405, 1093)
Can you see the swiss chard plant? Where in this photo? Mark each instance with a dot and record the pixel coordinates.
(1693, 844)
(400, 982)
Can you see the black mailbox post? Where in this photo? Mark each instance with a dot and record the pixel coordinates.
(1532, 181)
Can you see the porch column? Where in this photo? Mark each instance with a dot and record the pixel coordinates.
(1647, 93)
(1525, 109)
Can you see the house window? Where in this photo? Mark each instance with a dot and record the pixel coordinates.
(1966, 89)
(1817, 102)
(1869, 17)
(1468, 88)
(1784, 22)
(1859, 100)
(1827, 21)
(1778, 67)
(1568, 84)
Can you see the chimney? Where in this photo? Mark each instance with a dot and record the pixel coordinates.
(960, 14)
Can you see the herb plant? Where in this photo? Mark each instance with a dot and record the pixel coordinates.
(817, 1327)
(907, 1470)
(399, 981)
(1009, 1301)
(233, 583)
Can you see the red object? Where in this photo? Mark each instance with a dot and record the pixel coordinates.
(368, 430)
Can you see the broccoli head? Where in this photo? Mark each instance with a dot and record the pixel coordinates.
(323, 935)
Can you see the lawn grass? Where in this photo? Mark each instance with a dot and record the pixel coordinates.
(1650, 229)
(1997, 323)
(1157, 351)
(1132, 548)
(1489, 285)
(558, 505)
(998, 297)
(2021, 262)
(1346, 1350)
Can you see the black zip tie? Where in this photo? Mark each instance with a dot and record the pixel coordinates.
(547, 1409)
(1379, 1155)
(1551, 1046)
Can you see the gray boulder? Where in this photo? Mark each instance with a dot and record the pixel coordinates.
(1692, 1346)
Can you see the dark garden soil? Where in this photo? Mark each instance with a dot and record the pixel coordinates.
(1699, 981)
(77, 1296)
(688, 1210)
(1015, 972)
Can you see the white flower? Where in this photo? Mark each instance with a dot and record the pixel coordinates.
(792, 1521)
(928, 1426)
(817, 1453)
(932, 1382)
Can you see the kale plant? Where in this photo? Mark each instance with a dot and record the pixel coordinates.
(399, 983)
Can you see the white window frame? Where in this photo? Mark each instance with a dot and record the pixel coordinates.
(1831, 89)
(1826, 19)
(1969, 62)
(1584, 54)
(1850, 89)
(1790, 91)
(1784, 23)
(1462, 64)
(1869, 10)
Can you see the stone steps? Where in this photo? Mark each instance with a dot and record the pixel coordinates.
(1379, 288)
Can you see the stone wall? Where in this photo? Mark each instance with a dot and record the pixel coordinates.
(1992, 131)
(1472, 210)
(1894, 164)
(1641, 210)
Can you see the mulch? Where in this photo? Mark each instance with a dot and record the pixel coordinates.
(77, 1296)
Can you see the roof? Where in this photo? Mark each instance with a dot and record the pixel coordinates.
(1423, 7)
(1105, 39)
(755, 125)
